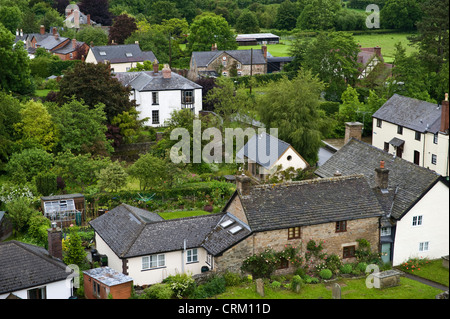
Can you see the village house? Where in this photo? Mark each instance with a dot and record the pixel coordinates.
(76, 19)
(415, 200)
(120, 57)
(263, 154)
(257, 39)
(64, 48)
(227, 62)
(31, 272)
(369, 58)
(159, 93)
(144, 246)
(415, 130)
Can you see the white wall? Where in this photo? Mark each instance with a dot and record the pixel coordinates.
(114, 261)
(425, 146)
(168, 101)
(173, 260)
(434, 207)
(118, 67)
(55, 290)
(296, 161)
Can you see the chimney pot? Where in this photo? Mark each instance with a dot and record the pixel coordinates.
(381, 164)
(21, 32)
(337, 173)
(17, 32)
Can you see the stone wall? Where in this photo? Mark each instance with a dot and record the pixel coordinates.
(277, 239)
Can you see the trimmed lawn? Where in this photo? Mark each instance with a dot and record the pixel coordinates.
(434, 271)
(42, 93)
(350, 288)
(182, 214)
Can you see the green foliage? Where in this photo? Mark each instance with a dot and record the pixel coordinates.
(208, 29)
(23, 166)
(90, 34)
(261, 265)
(37, 227)
(296, 281)
(333, 262)
(182, 285)
(275, 284)
(319, 15)
(214, 286)
(157, 291)
(247, 23)
(365, 254)
(232, 279)
(46, 183)
(19, 212)
(346, 269)
(112, 177)
(294, 108)
(9, 116)
(149, 170)
(400, 14)
(286, 16)
(325, 274)
(75, 252)
(361, 267)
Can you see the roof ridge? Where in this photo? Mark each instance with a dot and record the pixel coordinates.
(312, 181)
(187, 218)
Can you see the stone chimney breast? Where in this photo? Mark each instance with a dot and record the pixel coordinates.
(382, 176)
(243, 184)
(353, 129)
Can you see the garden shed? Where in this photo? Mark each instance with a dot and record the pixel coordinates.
(104, 282)
(67, 209)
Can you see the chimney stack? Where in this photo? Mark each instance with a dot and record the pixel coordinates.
(55, 33)
(353, 129)
(155, 67)
(243, 184)
(55, 241)
(17, 32)
(76, 19)
(42, 30)
(167, 72)
(21, 32)
(74, 43)
(445, 115)
(88, 19)
(214, 47)
(382, 176)
(377, 51)
(264, 50)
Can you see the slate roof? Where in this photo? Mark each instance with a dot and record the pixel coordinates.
(129, 234)
(204, 58)
(310, 202)
(411, 181)
(258, 149)
(51, 42)
(118, 53)
(149, 81)
(24, 266)
(68, 48)
(411, 113)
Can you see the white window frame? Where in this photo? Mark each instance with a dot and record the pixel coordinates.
(435, 138)
(192, 255)
(433, 159)
(385, 231)
(424, 246)
(417, 220)
(153, 261)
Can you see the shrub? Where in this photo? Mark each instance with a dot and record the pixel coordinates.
(46, 183)
(232, 279)
(157, 291)
(275, 284)
(314, 280)
(37, 227)
(296, 281)
(325, 274)
(301, 272)
(333, 262)
(362, 267)
(413, 264)
(182, 285)
(213, 287)
(261, 265)
(346, 269)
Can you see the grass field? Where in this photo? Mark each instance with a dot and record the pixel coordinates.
(350, 289)
(182, 214)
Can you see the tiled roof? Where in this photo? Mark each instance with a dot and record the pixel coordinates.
(410, 180)
(24, 266)
(68, 48)
(204, 58)
(411, 113)
(310, 202)
(149, 81)
(259, 145)
(118, 53)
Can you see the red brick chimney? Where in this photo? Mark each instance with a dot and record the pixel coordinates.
(89, 19)
(445, 115)
(264, 51)
(55, 241)
(55, 33)
(42, 30)
(214, 47)
(155, 67)
(74, 43)
(377, 51)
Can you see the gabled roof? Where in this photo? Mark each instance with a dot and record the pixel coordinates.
(149, 81)
(310, 202)
(410, 181)
(132, 232)
(24, 266)
(259, 149)
(122, 53)
(51, 42)
(411, 113)
(204, 58)
(68, 48)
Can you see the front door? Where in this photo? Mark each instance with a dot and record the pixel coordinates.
(399, 151)
(416, 157)
(386, 252)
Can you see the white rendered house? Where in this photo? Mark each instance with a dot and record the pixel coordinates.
(159, 93)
